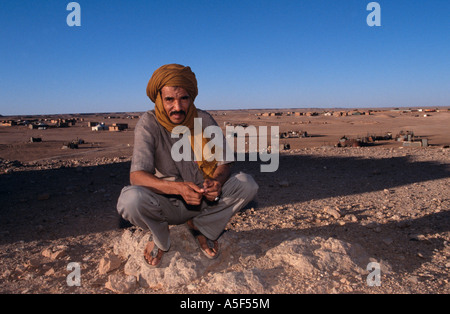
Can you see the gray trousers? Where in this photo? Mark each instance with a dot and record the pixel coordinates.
(155, 212)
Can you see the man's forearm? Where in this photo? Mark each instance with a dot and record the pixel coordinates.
(191, 193)
(222, 173)
(153, 183)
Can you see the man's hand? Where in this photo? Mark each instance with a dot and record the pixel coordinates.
(212, 189)
(190, 192)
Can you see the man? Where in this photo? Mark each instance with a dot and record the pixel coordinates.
(163, 192)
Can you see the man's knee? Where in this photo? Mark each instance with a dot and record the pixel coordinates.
(132, 201)
(128, 202)
(247, 185)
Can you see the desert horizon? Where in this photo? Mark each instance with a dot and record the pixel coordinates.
(322, 127)
(263, 109)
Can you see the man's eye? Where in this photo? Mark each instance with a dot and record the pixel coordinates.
(185, 97)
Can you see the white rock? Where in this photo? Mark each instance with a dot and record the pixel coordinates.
(314, 254)
(121, 284)
(180, 266)
(246, 282)
(109, 263)
(333, 212)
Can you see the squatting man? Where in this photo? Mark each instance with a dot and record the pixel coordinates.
(201, 192)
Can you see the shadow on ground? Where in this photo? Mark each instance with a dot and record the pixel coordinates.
(65, 202)
(312, 177)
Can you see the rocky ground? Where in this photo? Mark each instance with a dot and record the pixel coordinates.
(314, 227)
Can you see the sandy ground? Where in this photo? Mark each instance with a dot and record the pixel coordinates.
(58, 206)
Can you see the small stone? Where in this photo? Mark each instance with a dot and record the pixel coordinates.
(387, 241)
(417, 237)
(59, 254)
(109, 263)
(413, 279)
(33, 262)
(55, 252)
(121, 284)
(333, 212)
(284, 183)
(50, 272)
(421, 237)
(47, 252)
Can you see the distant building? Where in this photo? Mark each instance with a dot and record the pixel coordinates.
(8, 123)
(118, 127)
(99, 127)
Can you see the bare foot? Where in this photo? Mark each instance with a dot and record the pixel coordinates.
(203, 241)
(149, 257)
(211, 251)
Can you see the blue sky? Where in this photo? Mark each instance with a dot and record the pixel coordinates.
(246, 54)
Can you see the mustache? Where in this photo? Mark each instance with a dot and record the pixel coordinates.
(178, 112)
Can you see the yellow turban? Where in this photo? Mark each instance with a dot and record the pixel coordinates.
(172, 75)
(175, 75)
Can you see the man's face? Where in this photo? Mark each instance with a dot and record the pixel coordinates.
(176, 102)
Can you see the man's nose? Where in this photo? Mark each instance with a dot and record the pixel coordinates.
(177, 105)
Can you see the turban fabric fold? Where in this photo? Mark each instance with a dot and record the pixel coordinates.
(175, 75)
